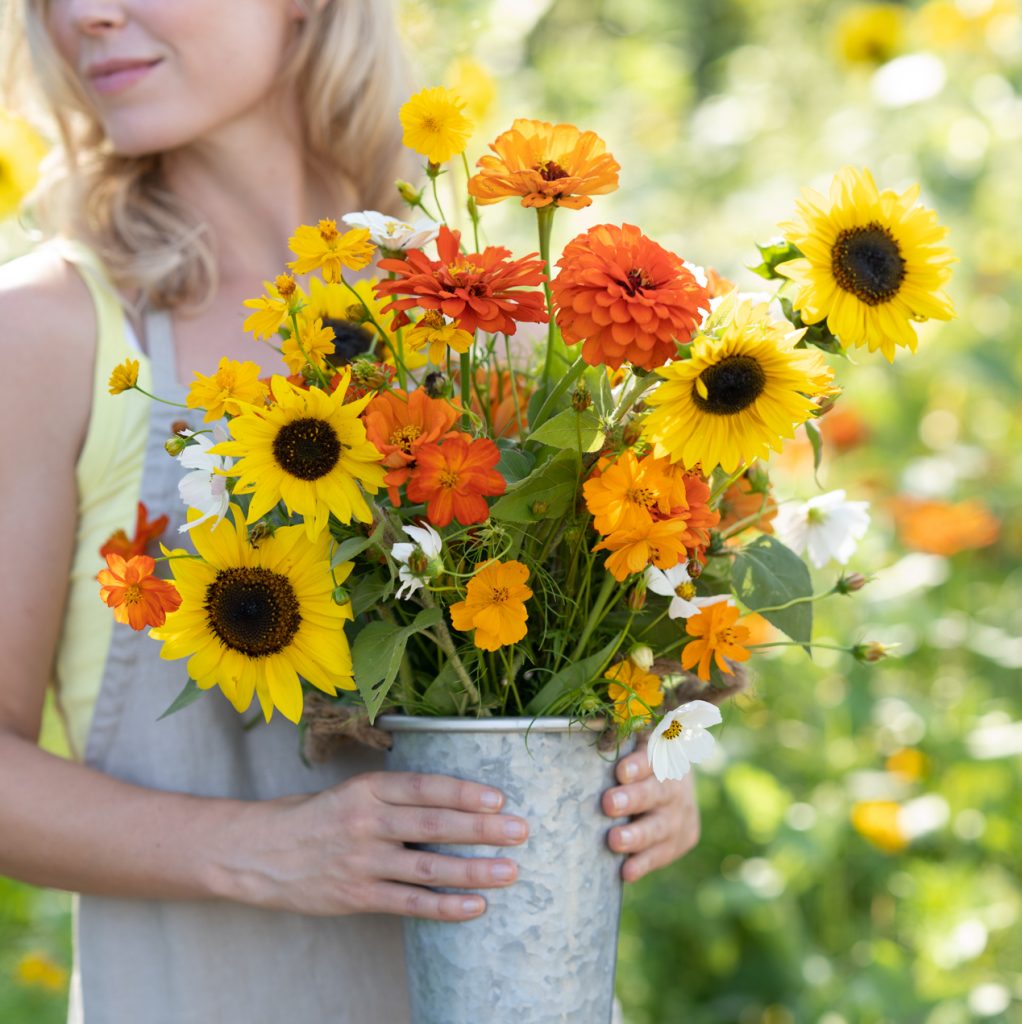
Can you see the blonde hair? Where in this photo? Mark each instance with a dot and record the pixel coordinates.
(349, 77)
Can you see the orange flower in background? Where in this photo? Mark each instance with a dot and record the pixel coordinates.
(741, 504)
(628, 492)
(454, 478)
(716, 285)
(486, 291)
(633, 691)
(944, 527)
(145, 531)
(879, 822)
(842, 427)
(717, 637)
(399, 424)
(696, 513)
(494, 605)
(498, 407)
(545, 163)
(760, 629)
(625, 297)
(661, 543)
(137, 597)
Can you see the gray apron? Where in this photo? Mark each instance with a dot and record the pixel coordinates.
(156, 962)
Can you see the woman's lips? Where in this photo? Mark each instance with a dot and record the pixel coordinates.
(116, 76)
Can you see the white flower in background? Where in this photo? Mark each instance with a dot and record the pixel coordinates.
(677, 584)
(392, 233)
(205, 488)
(428, 544)
(827, 525)
(681, 739)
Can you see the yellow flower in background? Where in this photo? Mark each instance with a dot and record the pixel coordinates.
(308, 450)
(908, 763)
(314, 346)
(633, 690)
(739, 395)
(325, 249)
(37, 970)
(494, 605)
(282, 298)
(233, 383)
(473, 84)
(255, 619)
(124, 377)
(21, 151)
(954, 25)
(870, 33)
(436, 334)
(872, 263)
(878, 821)
(435, 124)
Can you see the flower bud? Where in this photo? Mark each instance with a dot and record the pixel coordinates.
(632, 432)
(637, 596)
(408, 192)
(433, 170)
(581, 399)
(851, 583)
(758, 478)
(872, 651)
(341, 595)
(435, 384)
(418, 562)
(590, 704)
(175, 445)
(472, 207)
(694, 568)
(180, 427)
(642, 656)
(356, 313)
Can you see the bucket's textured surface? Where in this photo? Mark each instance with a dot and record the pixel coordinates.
(545, 949)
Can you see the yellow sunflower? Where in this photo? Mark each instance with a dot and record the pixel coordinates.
(258, 618)
(742, 391)
(308, 450)
(873, 262)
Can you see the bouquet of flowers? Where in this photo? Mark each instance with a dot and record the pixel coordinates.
(490, 485)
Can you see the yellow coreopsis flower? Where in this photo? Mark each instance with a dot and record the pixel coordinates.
(220, 394)
(436, 334)
(314, 346)
(124, 377)
(282, 298)
(871, 33)
(435, 124)
(494, 605)
(471, 82)
(325, 249)
(21, 150)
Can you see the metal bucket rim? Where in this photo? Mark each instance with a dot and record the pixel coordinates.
(423, 723)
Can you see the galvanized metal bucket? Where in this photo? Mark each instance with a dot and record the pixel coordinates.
(544, 951)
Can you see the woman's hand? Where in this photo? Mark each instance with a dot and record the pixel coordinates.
(665, 816)
(343, 851)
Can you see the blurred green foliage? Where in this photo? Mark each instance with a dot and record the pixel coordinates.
(719, 114)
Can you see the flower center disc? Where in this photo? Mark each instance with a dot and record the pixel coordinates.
(307, 448)
(254, 611)
(731, 385)
(550, 170)
(867, 262)
(350, 340)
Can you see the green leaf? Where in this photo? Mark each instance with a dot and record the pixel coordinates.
(544, 404)
(441, 695)
(766, 573)
(369, 591)
(572, 677)
(377, 653)
(189, 695)
(598, 382)
(550, 487)
(565, 429)
(816, 440)
(515, 464)
(353, 546)
(774, 253)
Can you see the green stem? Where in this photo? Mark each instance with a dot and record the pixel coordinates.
(445, 641)
(794, 601)
(466, 387)
(545, 218)
(595, 615)
(323, 381)
(156, 398)
(514, 387)
(472, 211)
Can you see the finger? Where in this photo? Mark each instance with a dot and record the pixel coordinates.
(433, 869)
(419, 789)
(640, 864)
(645, 831)
(633, 767)
(439, 825)
(637, 797)
(413, 901)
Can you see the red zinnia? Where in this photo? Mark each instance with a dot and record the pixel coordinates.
(627, 298)
(137, 597)
(477, 290)
(453, 477)
(118, 544)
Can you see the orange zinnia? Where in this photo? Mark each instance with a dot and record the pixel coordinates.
(718, 637)
(501, 410)
(453, 479)
(399, 425)
(145, 531)
(661, 543)
(485, 290)
(137, 597)
(633, 690)
(629, 492)
(545, 163)
(626, 298)
(944, 527)
(741, 504)
(494, 605)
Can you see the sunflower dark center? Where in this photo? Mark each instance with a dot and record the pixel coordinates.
(867, 262)
(307, 448)
(550, 170)
(253, 611)
(731, 385)
(350, 340)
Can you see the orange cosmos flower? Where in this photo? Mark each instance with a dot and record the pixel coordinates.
(494, 605)
(118, 544)
(545, 163)
(628, 492)
(717, 636)
(661, 543)
(741, 504)
(633, 691)
(453, 479)
(137, 597)
(944, 527)
(484, 290)
(399, 424)
(625, 297)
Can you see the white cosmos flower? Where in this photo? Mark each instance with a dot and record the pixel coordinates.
(426, 540)
(204, 488)
(392, 233)
(827, 525)
(681, 740)
(677, 584)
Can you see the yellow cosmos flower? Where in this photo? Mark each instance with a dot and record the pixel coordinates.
(738, 396)
(434, 333)
(233, 383)
(282, 298)
(471, 82)
(259, 618)
(494, 605)
(308, 450)
(633, 690)
(435, 125)
(21, 150)
(124, 377)
(871, 33)
(314, 345)
(37, 970)
(873, 262)
(325, 249)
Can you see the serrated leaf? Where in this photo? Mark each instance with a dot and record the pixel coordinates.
(567, 428)
(551, 484)
(571, 678)
(766, 574)
(189, 695)
(353, 546)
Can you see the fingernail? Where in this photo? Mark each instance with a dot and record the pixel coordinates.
(625, 836)
(472, 906)
(491, 798)
(515, 829)
(619, 801)
(631, 769)
(502, 871)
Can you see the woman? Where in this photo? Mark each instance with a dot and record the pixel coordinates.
(221, 880)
